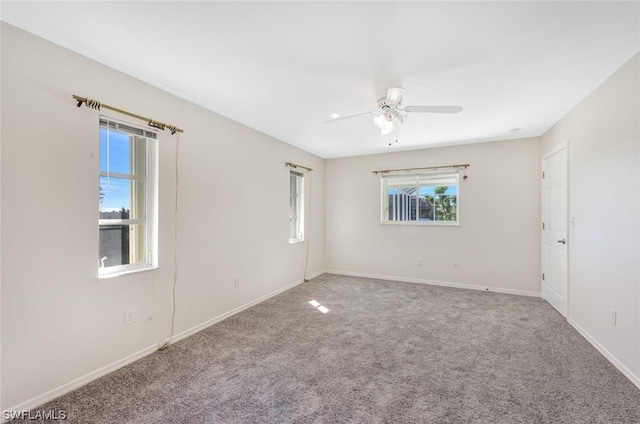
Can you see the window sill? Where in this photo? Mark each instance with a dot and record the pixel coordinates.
(422, 223)
(115, 274)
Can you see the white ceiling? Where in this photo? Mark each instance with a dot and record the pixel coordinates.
(284, 67)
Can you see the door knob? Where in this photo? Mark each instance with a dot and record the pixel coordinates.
(563, 241)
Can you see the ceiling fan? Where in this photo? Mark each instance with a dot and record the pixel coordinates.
(391, 114)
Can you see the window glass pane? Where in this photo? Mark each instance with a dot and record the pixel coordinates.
(426, 205)
(446, 199)
(122, 198)
(122, 245)
(114, 151)
(121, 153)
(295, 206)
(401, 194)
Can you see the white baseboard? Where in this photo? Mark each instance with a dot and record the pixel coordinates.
(608, 355)
(39, 400)
(435, 283)
(81, 381)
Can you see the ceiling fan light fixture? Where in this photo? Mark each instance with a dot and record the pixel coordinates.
(385, 122)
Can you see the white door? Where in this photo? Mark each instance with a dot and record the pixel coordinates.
(554, 228)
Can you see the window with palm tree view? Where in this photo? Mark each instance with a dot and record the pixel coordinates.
(420, 198)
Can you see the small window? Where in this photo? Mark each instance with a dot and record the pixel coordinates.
(296, 207)
(420, 198)
(127, 204)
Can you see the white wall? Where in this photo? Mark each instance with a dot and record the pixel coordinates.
(497, 244)
(604, 198)
(60, 324)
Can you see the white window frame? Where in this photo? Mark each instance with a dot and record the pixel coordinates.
(296, 206)
(408, 207)
(150, 220)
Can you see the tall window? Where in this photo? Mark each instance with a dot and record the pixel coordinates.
(296, 206)
(420, 198)
(127, 207)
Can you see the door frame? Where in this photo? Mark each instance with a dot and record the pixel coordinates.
(548, 154)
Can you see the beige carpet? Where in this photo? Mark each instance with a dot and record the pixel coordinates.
(386, 352)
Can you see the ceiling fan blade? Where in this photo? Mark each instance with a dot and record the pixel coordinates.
(340, 118)
(432, 109)
(394, 96)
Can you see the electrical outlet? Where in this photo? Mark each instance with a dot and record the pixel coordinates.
(236, 282)
(129, 316)
(614, 317)
(420, 261)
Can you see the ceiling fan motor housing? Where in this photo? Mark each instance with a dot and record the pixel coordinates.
(382, 104)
